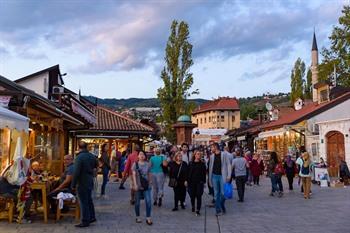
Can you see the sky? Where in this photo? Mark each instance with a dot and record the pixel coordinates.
(116, 49)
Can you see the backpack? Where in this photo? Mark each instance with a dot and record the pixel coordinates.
(279, 169)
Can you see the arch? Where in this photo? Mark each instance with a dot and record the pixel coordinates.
(335, 151)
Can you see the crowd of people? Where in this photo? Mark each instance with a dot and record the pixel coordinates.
(185, 169)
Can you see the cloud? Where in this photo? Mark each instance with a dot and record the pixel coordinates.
(259, 73)
(124, 35)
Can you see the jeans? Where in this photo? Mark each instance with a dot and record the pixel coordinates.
(276, 182)
(240, 183)
(105, 172)
(86, 205)
(196, 192)
(147, 196)
(290, 181)
(218, 186)
(158, 185)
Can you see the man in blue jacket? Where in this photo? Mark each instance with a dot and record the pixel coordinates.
(85, 166)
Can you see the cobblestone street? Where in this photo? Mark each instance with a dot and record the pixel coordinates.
(327, 211)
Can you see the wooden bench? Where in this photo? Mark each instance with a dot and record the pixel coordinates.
(9, 204)
(74, 210)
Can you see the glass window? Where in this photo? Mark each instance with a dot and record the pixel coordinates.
(222, 118)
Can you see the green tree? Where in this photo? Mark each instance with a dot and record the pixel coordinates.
(308, 85)
(176, 77)
(338, 54)
(297, 80)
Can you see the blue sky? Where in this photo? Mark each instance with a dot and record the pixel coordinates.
(115, 49)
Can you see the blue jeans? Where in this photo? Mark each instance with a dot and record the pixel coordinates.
(147, 196)
(276, 182)
(105, 172)
(86, 205)
(218, 186)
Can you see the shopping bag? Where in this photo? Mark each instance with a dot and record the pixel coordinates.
(228, 193)
(17, 173)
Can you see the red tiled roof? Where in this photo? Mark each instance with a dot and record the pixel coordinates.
(222, 103)
(108, 120)
(306, 112)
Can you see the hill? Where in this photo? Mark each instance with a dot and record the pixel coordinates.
(249, 106)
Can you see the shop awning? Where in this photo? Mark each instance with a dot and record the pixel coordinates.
(12, 120)
(271, 133)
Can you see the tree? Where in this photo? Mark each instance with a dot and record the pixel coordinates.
(176, 77)
(338, 54)
(308, 85)
(297, 81)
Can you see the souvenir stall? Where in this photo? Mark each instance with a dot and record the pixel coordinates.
(12, 127)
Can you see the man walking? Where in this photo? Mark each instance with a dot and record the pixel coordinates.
(239, 165)
(219, 173)
(84, 169)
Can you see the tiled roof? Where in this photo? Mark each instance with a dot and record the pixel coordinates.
(108, 120)
(306, 112)
(222, 103)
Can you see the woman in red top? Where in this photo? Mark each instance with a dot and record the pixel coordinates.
(256, 168)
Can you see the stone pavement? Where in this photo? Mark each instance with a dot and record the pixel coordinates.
(328, 211)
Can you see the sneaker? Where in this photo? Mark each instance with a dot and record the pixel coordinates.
(272, 194)
(160, 202)
(121, 187)
(138, 220)
(155, 203)
(183, 206)
(218, 214)
(175, 209)
(198, 213)
(280, 194)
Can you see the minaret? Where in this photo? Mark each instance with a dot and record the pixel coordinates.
(314, 68)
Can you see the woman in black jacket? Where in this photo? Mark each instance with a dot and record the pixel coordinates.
(196, 180)
(178, 170)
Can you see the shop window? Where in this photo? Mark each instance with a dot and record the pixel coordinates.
(233, 118)
(201, 121)
(222, 118)
(210, 119)
(205, 120)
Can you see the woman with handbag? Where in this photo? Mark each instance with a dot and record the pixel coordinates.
(178, 171)
(142, 185)
(196, 180)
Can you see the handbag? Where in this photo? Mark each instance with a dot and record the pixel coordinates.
(143, 180)
(173, 181)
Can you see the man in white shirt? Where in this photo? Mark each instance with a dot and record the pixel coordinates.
(186, 154)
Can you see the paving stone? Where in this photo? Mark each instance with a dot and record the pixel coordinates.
(327, 211)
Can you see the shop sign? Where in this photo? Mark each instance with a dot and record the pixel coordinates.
(4, 100)
(78, 109)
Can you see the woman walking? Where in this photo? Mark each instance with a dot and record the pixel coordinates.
(196, 180)
(178, 171)
(256, 168)
(142, 185)
(306, 167)
(290, 168)
(106, 167)
(275, 173)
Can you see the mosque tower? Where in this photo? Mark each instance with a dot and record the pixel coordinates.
(314, 68)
